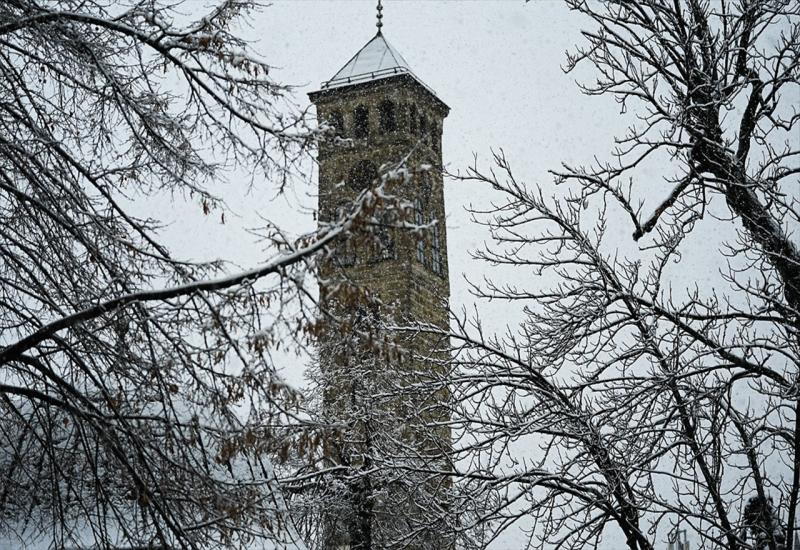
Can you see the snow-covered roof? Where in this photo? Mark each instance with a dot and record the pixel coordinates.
(376, 60)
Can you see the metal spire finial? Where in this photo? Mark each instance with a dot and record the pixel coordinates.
(379, 24)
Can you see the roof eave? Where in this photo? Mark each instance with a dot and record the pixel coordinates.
(357, 84)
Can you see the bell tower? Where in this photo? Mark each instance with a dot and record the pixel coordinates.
(383, 117)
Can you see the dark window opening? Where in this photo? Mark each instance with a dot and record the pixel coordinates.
(436, 250)
(423, 127)
(363, 175)
(387, 116)
(419, 221)
(361, 122)
(336, 120)
(382, 237)
(385, 243)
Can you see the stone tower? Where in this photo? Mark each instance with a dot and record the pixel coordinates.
(384, 117)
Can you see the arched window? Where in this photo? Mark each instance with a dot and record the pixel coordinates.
(336, 120)
(436, 250)
(419, 220)
(387, 116)
(423, 127)
(412, 119)
(362, 175)
(361, 122)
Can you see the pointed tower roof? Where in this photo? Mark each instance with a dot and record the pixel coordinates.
(376, 60)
